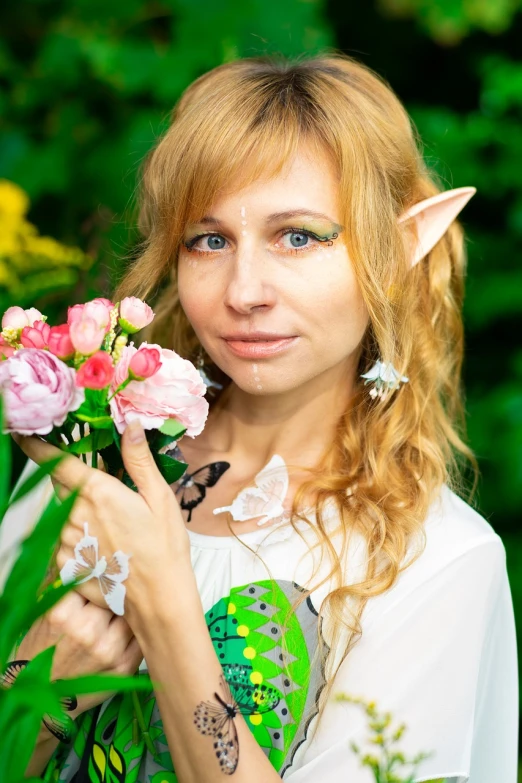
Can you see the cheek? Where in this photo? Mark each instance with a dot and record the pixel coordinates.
(337, 314)
(191, 283)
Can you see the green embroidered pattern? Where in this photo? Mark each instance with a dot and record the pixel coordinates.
(247, 628)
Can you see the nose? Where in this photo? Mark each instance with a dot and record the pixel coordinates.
(247, 286)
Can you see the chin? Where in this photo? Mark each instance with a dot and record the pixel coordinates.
(268, 385)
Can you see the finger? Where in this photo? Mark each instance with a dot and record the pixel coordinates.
(71, 472)
(139, 464)
(70, 604)
(132, 655)
(120, 631)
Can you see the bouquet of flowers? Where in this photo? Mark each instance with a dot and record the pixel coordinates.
(79, 384)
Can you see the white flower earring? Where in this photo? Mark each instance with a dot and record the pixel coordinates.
(385, 377)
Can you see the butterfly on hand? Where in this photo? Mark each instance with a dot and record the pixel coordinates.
(193, 486)
(266, 499)
(216, 719)
(86, 565)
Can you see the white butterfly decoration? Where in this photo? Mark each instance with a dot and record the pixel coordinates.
(265, 499)
(86, 565)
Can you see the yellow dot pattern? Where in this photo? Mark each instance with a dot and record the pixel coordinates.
(232, 608)
(256, 678)
(243, 630)
(256, 719)
(249, 653)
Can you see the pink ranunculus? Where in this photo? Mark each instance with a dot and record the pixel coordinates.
(35, 336)
(144, 363)
(6, 350)
(60, 342)
(134, 314)
(74, 313)
(86, 335)
(97, 372)
(175, 391)
(98, 309)
(16, 317)
(39, 391)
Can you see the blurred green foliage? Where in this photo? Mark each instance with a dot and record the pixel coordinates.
(448, 21)
(87, 87)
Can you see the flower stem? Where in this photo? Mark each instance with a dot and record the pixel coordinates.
(94, 454)
(141, 723)
(120, 387)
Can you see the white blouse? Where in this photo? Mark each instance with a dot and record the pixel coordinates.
(438, 649)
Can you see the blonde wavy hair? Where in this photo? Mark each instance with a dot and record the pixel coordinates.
(245, 119)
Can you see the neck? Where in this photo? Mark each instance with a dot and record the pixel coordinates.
(298, 424)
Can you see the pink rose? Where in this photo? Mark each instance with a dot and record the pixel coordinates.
(39, 391)
(175, 391)
(35, 336)
(6, 350)
(144, 363)
(97, 309)
(86, 335)
(16, 317)
(60, 342)
(97, 372)
(134, 314)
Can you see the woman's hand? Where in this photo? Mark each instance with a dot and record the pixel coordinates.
(88, 640)
(147, 525)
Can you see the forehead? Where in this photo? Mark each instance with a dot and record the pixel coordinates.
(308, 181)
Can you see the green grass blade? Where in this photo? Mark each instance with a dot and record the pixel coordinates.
(39, 474)
(21, 588)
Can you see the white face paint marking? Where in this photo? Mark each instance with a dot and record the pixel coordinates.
(243, 222)
(244, 232)
(243, 212)
(256, 376)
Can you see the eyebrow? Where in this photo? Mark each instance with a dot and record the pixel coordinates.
(276, 216)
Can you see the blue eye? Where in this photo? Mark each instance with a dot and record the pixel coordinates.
(213, 241)
(302, 238)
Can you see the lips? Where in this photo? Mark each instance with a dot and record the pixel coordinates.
(259, 346)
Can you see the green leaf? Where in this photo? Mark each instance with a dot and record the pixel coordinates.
(173, 427)
(97, 683)
(26, 577)
(43, 470)
(104, 438)
(30, 697)
(170, 469)
(97, 422)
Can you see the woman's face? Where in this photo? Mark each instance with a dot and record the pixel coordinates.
(268, 285)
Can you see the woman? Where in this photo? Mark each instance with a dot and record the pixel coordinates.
(308, 258)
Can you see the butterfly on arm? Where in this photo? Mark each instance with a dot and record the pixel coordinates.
(216, 719)
(59, 726)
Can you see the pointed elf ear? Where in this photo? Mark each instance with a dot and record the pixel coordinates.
(433, 216)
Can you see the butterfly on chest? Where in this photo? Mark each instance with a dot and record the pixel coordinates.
(192, 487)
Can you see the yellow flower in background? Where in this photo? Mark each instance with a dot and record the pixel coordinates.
(14, 202)
(30, 264)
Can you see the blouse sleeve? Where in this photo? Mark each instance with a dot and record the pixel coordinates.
(443, 660)
(21, 518)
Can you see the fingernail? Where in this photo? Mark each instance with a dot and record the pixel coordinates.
(136, 432)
